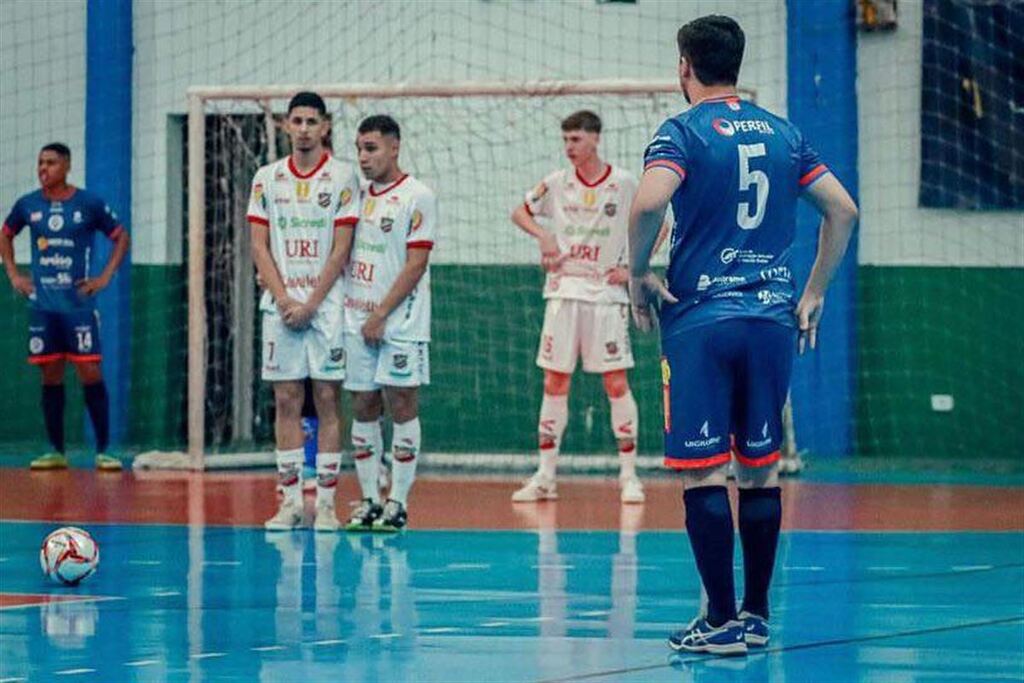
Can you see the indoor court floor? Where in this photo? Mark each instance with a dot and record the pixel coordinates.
(878, 579)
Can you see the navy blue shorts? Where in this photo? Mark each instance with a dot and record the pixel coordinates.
(724, 388)
(74, 336)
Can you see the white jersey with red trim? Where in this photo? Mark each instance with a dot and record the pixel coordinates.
(393, 220)
(591, 223)
(302, 211)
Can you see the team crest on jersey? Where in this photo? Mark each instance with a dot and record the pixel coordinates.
(589, 197)
(416, 222)
(612, 348)
(323, 200)
(386, 224)
(345, 197)
(35, 216)
(610, 209)
(42, 244)
(257, 192)
(337, 353)
(56, 223)
(368, 206)
(302, 191)
(401, 361)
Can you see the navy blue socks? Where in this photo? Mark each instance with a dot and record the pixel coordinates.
(99, 412)
(53, 415)
(760, 518)
(709, 526)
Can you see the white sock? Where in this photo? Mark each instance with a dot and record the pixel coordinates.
(327, 466)
(289, 475)
(367, 444)
(625, 425)
(554, 414)
(405, 451)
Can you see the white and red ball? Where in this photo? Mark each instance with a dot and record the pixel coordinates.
(69, 555)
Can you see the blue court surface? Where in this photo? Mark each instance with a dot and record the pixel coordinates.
(180, 603)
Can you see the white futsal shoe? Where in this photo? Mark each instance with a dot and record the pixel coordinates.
(288, 517)
(537, 488)
(631, 490)
(326, 518)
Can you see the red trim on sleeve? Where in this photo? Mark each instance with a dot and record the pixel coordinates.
(604, 177)
(421, 244)
(84, 357)
(390, 187)
(759, 461)
(349, 221)
(526, 205)
(9, 231)
(813, 175)
(115, 233)
(46, 358)
(258, 219)
(305, 176)
(693, 464)
(670, 165)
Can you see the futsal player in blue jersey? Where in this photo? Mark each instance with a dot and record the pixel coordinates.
(63, 322)
(730, 321)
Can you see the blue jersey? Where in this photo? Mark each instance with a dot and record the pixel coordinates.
(743, 170)
(62, 236)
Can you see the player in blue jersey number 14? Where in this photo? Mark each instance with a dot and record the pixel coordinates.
(730, 324)
(63, 322)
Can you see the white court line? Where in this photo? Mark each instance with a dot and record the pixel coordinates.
(970, 567)
(145, 563)
(268, 648)
(74, 672)
(439, 629)
(554, 566)
(468, 565)
(12, 680)
(809, 568)
(209, 655)
(385, 636)
(495, 624)
(888, 569)
(333, 641)
(221, 563)
(143, 662)
(165, 594)
(595, 613)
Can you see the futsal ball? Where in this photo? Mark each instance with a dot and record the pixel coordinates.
(69, 555)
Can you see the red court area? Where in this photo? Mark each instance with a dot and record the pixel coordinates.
(447, 502)
(15, 600)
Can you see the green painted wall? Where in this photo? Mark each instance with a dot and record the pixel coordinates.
(923, 331)
(929, 330)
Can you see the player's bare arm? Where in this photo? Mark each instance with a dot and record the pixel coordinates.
(91, 286)
(646, 224)
(21, 284)
(341, 247)
(417, 259)
(550, 255)
(267, 271)
(619, 275)
(839, 214)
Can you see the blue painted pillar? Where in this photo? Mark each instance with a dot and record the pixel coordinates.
(108, 173)
(822, 97)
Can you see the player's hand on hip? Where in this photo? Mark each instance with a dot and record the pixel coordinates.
(91, 286)
(373, 329)
(22, 285)
(808, 315)
(617, 276)
(551, 257)
(646, 295)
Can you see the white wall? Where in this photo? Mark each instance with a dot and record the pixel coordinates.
(205, 42)
(42, 81)
(893, 230)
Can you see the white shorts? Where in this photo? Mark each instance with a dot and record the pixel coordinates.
(391, 364)
(598, 332)
(317, 352)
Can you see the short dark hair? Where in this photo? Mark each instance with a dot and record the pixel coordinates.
(714, 47)
(59, 147)
(307, 98)
(381, 123)
(582, 120)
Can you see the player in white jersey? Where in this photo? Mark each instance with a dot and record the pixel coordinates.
(302, 211)
(584, 251)
(387, 321)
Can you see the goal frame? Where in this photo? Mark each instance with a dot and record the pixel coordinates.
(263, 96)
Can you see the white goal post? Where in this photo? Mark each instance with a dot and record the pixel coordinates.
(260, 98)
